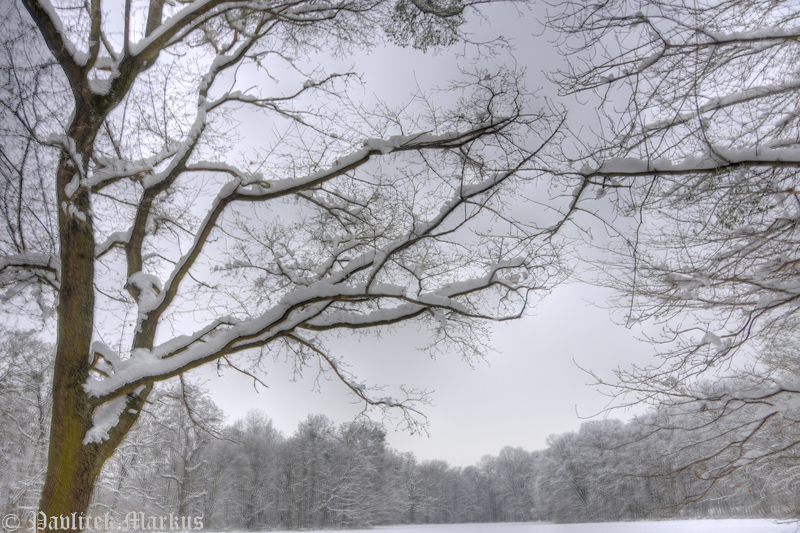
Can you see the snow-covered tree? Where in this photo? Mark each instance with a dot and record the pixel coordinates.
(256, 492)
(515, 467)
(127, 212)
(163, 465)
(701, 149)
(25, 380)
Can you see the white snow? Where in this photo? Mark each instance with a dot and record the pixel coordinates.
(106, 352)
(105, 63)
(145, 282)
(754, 35)
(170, 356)
(80, 57)
(149, 288)
(664, 526)
(46, 309)
(17, 288)
(122, 237)
(722, 156)
(386, 146)
(105, 417)
(31, 260)
(326, 290)
(429, 298)
(214, 166)
(764, 300)
(168, 25)
(100, 86)
(73, 212)
(72, 186)
(710, 338)
(731, 99)
(648, 61)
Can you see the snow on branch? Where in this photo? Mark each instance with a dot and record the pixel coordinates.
(105, 418)
(172, 358)
(25, 268)
(442, 298)
(178, 23)
(67, 144)
(721, 102)
(103, 359)
(182, 152)
(259, 191)
(758, 34)
(71, 59)
(214, 166)
(373, 147)
(304, 307)
(109, 170)
(118, 238)
(720, 158)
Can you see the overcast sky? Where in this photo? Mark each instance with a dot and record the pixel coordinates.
(529, 389)
(532, 386)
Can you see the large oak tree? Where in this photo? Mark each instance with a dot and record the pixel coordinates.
(160, 244)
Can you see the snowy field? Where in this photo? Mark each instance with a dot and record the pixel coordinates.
(667, 526)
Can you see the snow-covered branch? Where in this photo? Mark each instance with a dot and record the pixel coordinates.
(721, 158)
(50, 25)
(22, 269)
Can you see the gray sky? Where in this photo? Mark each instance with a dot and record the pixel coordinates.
(531, 387)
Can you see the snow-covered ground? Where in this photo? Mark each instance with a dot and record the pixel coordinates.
(667, 526)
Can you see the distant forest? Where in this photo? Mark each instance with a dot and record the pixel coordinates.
(182, 458)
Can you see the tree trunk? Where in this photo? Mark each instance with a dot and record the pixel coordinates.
(72, 467)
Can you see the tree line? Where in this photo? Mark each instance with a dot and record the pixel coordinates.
(182, 458)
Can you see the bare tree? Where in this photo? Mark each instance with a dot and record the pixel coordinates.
(25, 380)
(127, 211)
(162, 465)
(516, 469)
(700, 149)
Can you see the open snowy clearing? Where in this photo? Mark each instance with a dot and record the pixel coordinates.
(667, 526)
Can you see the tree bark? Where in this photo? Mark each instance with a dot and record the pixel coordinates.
(73, 466)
